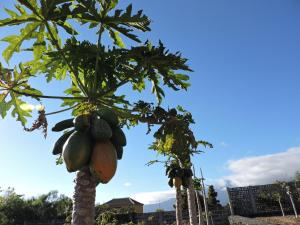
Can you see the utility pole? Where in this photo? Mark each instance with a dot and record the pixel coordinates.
(204, 199)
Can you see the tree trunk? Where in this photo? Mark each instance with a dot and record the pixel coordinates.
(201, 222)
(281, 208)
(191, 202)
(293, 204)
(84, 198)
(178, 207)
(204, 199)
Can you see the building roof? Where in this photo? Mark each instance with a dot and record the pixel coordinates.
(122, 201)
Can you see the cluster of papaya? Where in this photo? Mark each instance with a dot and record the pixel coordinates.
(95, 140)
(178, 176)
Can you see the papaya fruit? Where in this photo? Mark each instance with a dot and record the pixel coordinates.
(100, 130)
(177, 181)
(59, 144)
(103, 164)
(109, 116)
(185, 182)
(119, 150)
(77, 151)
(170, 182)
(118, 137)
(82, 122)
(62, 125)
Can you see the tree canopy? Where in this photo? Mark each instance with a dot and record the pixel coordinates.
(96, 70)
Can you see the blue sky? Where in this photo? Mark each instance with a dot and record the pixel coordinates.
(244, 98)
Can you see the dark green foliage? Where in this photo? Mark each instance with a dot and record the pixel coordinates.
(96, 71)
(212, 200)
(297, 176)
(15, 209)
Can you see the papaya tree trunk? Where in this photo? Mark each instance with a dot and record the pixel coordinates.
(191, 202)
(201, 222)
(178, 207)
(204, 199)
(84, 198)
(281, 208)
(293, 204)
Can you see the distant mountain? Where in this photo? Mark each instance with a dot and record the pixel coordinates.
(166, 205)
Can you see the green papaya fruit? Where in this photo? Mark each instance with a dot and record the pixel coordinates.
(187, 172)
(59, 144)
(118, 137)
(62, 125)
(119, 150)
(100, 129)
(180, 172)
(170, 183)
(185, 182)
(82, 122)
(173, 112)
(77, 151)
(109, 116)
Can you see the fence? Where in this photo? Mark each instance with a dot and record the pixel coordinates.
(246, 201)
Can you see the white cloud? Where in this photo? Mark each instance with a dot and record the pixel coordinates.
(262, 169)
(127, 184)
(154, 197)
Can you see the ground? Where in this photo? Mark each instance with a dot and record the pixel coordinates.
(287, 220)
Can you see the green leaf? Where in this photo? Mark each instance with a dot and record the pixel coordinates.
(17, 111)
(68, 28)
(15, 41)
(11, 13)
(30, 4)
(39, 46)
(4, 106)
(116, 37)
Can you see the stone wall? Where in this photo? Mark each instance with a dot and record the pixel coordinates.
(239, 220)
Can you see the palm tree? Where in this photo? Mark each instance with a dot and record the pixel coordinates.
(96, 72)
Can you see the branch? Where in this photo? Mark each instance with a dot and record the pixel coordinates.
(46, 96)
(98, 53)
(63, 110)
(117, 86)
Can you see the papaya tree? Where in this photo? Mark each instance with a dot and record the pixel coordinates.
(198, 189)
(275, 195)
(174, 138)
(95, 74)
(287, 188)
(174, 173)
